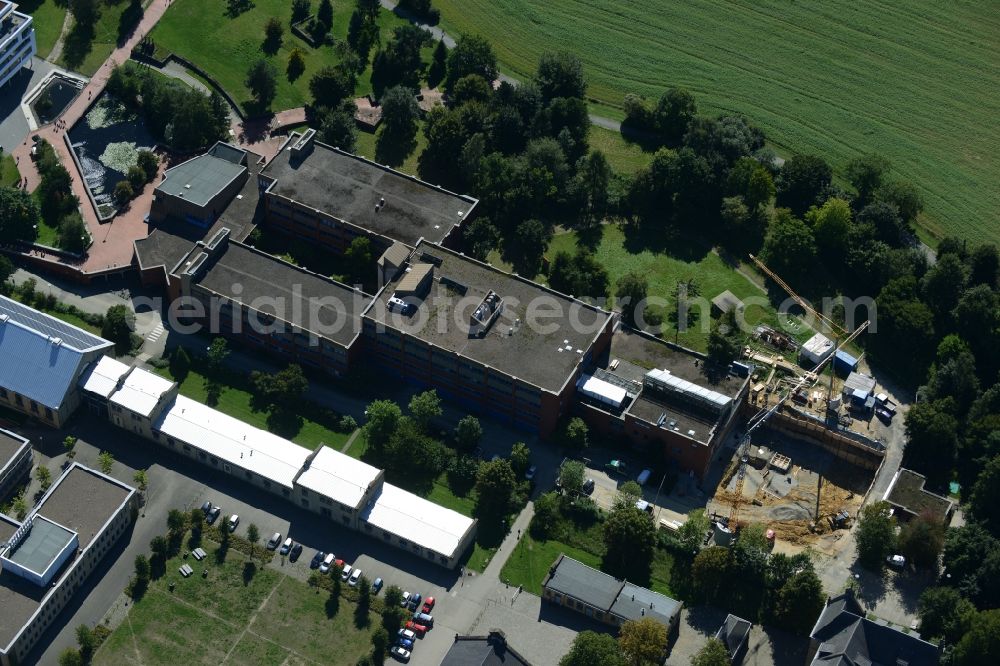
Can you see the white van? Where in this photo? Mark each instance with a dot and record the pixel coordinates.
(643, 477)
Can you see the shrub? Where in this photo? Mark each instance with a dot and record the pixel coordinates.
(149, 163)
(123, 192)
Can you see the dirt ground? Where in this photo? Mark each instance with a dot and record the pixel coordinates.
(816, 483)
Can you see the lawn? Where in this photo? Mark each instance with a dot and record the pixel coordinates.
(914, 81)
(87, 57)
(9, 175)
(236, 402)
(225, 618)
(531, 560)
(48, 22)
(623, 156)
(224, 47)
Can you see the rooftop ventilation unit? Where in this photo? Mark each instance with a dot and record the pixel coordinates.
(662, 381)
(486, 313)
(454, 284)
(429, 258)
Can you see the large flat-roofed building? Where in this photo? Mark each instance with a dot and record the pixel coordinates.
(263, 302)
(17, 41)
(907, 494)
(336, 485)
(41, 360)
(418, 525)
(572, 584)
(490, 340)
(46, 558)
(316, 192)
(655, 395)
(15, 461)
(198, 190)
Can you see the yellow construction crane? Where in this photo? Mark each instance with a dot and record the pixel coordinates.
(761, 417)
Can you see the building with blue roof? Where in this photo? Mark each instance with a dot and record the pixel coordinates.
(41, 361)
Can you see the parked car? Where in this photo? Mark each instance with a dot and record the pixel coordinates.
(424, 619)
(414, 602)
(407, 634)
(346, 573)
(324, 567)
(429, 604)
(406, 600)
(896, 561)
(401, 654)
(212, 512)
(377, 586)
(588, 486)
(416, 628)
(286, 546)
(317, 559)
(293, 555)
(530, 474)
(273, 542)
(234, 520)
(355, 577)
(405, 643)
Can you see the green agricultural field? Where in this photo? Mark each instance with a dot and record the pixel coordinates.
(200, 31)
(914, 81)
(48, 18)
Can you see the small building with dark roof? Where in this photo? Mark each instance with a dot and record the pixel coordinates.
(734, 634)
(489, 650)
(198, 190)
(844, 636)
(322, 194)
(906, 493)
(572, 584)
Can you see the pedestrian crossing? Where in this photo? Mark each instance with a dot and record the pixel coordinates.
(156, 333)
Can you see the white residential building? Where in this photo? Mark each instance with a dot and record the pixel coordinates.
(17, 41)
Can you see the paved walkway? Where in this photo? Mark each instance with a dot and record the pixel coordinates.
(112, 246)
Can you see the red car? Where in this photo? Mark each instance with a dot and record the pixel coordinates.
(418, 629)
(429, 605)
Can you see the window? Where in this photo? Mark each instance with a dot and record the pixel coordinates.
(443, 559)
(187, 448)
(34, 406)
(48, 413)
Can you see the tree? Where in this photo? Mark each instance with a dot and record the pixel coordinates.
(673, 114)
(332, 85)
(630, 295)
(20, 506)
(358, 258)
(197, 521)
(481, 238)
(468, 433)
(830, 224)
(712, 653)
(383, 419)
(87, 641)
(591, 648)
(18, 215)
(70, 657)
(398, 136)
(176, 521)
(180, 364)
(904, 197)
(119, 322)
(984, 264)
(380, 642)
(932, 440)
(560, 74)
(217, 354)
(262, 81)
(571, 476)
(273, 32)
(953, 374)
(532, 238)
(439, 64)
(105, 461)
(691, 534)
(724, 344)
(337, 127)
(801, 182)
(253, 536)
(579, 275)
(643, 641)
(547, 515)
(301, 9)
(123, 192)
(789, 247)
(425, 407)
(520, 458)
(944, 613)
(282, 390)
(142, 569)
(325, 13)
(876, 534)
(296, 65)
(495, 484)
(399, 61)
(44, 477)
(472, 55)
(984, 500)
(141, 480)
(6, 270)
(136, 177)
(629, 539)
(73, 235)
(710, 571)
(866, 174)
(591, 183)
(981, 644)
(800, 601)
(69, 445)
(576, 434)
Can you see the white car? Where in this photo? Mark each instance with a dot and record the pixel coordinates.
(346, 573)
(406, 599)
(530, 474)
(896, 561)
(355, 577)
(407, 634)
(234, 520)
(400, 653)
(327, 562)
(286, 546)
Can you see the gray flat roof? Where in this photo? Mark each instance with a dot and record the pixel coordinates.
(83, 501)
(7, 527)
(347, 187)
(536, 352)
(9, 446)
(647, 407)
(41, 546)
(587, 584)
(200, 178)
(258, 280)
(636, 602)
